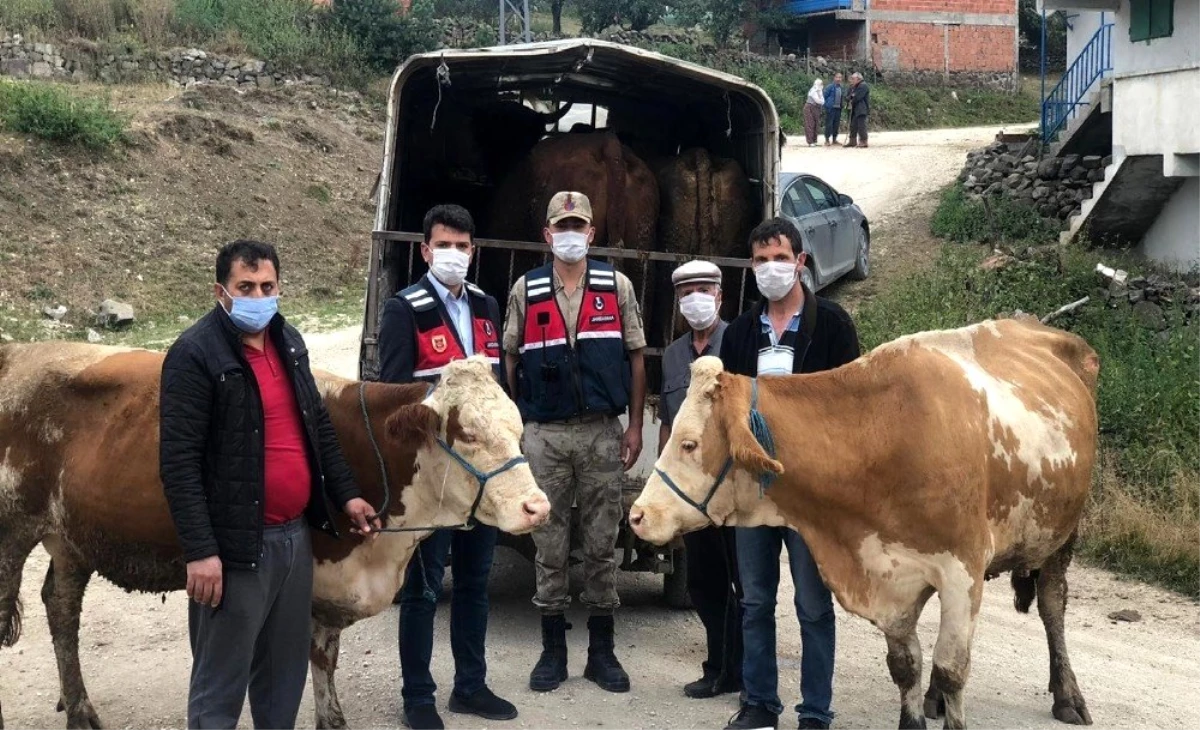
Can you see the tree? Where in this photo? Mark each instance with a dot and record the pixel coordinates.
(596, 15)
(720, 18)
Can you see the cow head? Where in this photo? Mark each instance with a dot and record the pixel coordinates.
(712, 459)
(469, 432)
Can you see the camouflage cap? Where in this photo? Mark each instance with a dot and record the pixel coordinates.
(568, 204)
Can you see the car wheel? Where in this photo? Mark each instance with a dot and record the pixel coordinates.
(807, 278)
(862, 256)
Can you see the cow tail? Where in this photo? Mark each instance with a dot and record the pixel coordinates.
(10, 632)
(615, 168)
(706, 205)
(1024, 585)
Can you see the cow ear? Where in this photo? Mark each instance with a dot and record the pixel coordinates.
(733, 404)
(415, 423)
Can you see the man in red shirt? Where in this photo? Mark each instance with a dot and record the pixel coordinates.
(249, 459)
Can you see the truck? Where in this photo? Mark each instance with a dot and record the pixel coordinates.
(461, 122)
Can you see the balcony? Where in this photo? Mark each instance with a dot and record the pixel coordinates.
(811, 7)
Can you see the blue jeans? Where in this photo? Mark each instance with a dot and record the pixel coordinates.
(833, 118)
(758, 550)
(472, 561)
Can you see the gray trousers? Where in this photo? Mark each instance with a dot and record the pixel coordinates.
(258, 638)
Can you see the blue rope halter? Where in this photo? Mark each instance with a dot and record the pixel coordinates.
(480, 476)
(762, 434)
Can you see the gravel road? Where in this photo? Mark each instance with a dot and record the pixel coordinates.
(1134, 675)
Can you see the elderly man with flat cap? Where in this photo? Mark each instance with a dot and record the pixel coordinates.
(712, 590)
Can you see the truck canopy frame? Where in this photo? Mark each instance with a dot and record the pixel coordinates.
(645, 94)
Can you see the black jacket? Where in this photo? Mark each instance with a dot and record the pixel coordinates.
(860, 100)
(398, 336)
(211, 449)
(827, 338)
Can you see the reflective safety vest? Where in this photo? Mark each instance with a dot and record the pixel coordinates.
(437, 341)
(559, 379)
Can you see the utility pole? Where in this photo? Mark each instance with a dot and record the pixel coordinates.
(510, 6)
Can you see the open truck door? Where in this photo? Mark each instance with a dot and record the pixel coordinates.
(461, 123)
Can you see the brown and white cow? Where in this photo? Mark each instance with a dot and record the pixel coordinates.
(932, 463)
(79, 474)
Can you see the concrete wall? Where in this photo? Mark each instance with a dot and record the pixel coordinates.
(1181, 49)
(1156, 114)
(1174, 239)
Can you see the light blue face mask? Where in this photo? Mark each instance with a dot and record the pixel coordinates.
(252, 314)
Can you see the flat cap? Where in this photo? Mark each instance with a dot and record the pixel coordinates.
(696, 272)
(568, 204)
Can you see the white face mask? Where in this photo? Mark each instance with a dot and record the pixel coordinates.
(570, 246)
(449, 266)
(775, 279)
(699, 309)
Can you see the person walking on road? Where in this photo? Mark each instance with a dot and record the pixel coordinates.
(860, 109)
(573, 344)
(790, 330)
(441, 318)
(712, 585)
(249, 460)
(813, 104)
(834, 99)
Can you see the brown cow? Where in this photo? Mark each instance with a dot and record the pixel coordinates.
(621, 188)
(930, 464)
(79, 474)
(704, 211)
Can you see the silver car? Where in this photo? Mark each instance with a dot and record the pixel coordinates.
(833, 230)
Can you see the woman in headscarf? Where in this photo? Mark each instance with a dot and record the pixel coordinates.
(813, 105)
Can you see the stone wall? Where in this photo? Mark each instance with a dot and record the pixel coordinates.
(1054, 186)
(80, 60)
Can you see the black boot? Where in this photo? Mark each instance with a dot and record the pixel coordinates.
(602, 665)
(551, 668)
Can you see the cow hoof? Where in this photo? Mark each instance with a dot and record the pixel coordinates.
(935, 707)
(337, 722)
(83, 717)
(1072, 712)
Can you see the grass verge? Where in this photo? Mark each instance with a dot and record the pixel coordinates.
(57, 113)
(1143, 517)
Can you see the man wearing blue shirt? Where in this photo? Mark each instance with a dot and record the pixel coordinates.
(789, 331)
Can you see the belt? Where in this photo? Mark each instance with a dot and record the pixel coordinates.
(577, 420)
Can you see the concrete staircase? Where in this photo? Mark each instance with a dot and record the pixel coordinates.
(1125, 203)
(1089, 131)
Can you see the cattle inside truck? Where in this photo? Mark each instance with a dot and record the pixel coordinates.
(679, 161)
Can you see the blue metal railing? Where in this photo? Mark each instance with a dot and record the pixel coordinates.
(1091, 64)
(804, 7)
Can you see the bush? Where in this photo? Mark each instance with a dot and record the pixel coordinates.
(1143, 516)
(386, 35)
(988, 220)
(54, 113)
(25, 15)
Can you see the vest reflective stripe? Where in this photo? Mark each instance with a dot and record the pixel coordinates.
(436, 343)
(559, 379)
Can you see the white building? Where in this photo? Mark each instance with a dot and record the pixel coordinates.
(1133, 86)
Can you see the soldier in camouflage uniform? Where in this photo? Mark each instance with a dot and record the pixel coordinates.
(573, 345)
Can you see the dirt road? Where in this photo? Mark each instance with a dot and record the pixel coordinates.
(1137, 675)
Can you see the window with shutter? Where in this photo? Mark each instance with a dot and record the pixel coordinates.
(1162, 18)
(1151, 19)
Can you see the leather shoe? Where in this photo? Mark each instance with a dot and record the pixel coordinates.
(812, 722)
(423, 717)
(711, 685)
(483, 703)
